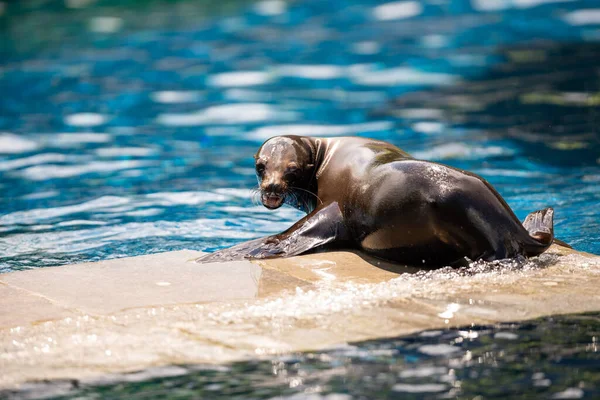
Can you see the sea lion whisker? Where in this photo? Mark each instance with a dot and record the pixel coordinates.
(256, 193)
(302, 202)
(305, 203)
(307, 191)
(290, 195)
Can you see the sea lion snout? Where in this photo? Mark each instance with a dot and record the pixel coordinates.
(272, 201)
(273, 193)
(274, 188)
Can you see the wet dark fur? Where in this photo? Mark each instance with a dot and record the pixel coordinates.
(370, 195)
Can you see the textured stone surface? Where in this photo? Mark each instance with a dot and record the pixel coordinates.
(20, 307)
(216, 313)
(144, 281)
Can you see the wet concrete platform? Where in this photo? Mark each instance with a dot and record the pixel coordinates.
(109, 286)
(88, 320)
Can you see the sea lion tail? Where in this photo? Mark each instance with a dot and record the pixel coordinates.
(563, 244)
(540, 225)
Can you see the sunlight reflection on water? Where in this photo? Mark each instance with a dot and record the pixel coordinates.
(115, 123)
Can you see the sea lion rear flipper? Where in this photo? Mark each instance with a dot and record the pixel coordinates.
(322, 226)
(540, 226)
(561, 243)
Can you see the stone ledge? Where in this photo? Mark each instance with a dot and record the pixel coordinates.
(122, 315)
(107, 287)
(21, 307)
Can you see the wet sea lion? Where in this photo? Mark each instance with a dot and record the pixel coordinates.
(367, 194)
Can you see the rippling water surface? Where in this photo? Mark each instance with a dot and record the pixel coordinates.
(549, 358)
(129, 130)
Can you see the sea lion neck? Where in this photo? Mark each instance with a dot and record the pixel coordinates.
(317, 149)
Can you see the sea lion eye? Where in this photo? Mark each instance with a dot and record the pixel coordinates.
(260, 169)
(291, 172)
(292, 167)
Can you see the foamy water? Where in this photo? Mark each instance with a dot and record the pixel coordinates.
(330, 296)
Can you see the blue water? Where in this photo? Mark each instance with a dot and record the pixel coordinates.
(548, 358)
(129, 128)
(124, 135)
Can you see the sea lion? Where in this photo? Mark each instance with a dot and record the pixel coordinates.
(369, 195)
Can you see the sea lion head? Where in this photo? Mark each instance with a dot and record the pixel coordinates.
(283, 166)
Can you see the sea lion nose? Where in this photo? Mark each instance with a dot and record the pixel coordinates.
(273, 188)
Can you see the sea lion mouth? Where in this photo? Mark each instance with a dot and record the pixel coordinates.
(272, 200)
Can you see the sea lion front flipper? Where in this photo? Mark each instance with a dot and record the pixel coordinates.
(234, 253)
(322, 226)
